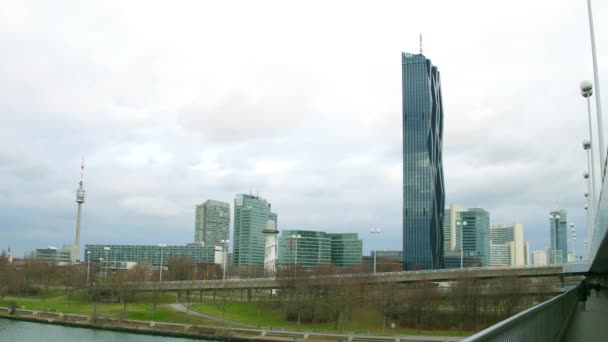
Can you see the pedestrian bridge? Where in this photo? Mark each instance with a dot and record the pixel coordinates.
(560, 318)
(552, 274)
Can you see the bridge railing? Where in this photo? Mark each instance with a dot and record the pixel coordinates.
(543, 322)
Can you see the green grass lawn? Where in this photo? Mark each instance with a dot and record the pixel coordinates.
(363, 319)
(139, 311)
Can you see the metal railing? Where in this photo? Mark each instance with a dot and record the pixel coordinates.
(543, 322)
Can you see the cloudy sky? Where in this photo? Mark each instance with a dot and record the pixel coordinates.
(173, 103)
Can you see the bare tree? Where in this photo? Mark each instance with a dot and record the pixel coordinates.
(385, 299)
(180, 268)
(223, 299)
(420, 301)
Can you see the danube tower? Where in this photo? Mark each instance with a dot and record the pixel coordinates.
(423, 187)
(79, 200)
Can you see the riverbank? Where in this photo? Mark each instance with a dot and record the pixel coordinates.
(200, 331)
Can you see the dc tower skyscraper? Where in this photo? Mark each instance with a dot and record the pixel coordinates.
(423, 186)
(79, 199)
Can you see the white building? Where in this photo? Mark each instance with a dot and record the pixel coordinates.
(539, 258)
(507, 246)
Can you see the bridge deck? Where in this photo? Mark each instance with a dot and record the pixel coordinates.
(589, 325)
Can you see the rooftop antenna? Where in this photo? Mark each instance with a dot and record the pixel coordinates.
(421, 43)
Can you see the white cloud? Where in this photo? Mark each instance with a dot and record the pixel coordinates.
(175, 104)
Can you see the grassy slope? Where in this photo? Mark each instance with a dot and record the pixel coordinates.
(362, 319)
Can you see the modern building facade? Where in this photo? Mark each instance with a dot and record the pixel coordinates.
(304, 248)
(211, 223)
(314, 248)
(476, 235)
(346, 249)
(423, 184)
(251, 214)
(507, 246)
(558, 225)
(450, 218)
(60, 256)
(152, 254)
(539, 258)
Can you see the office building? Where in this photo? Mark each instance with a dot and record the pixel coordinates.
(310, 249)
(539, 258)
(211, 223)
(476, 237)
(251, 214)
(558, 225)
(507, 246)
(60, 256)
(314, 248)
(423, 185)
(121, 256)
(450, 228)
(346, 249)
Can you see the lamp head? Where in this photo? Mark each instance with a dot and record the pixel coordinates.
(586, 86)
(586, 144)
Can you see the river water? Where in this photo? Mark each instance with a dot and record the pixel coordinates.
(18, 331)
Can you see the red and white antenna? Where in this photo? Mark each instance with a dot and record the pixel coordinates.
(421, 43)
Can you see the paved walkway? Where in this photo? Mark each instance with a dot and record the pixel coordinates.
(182, 308)
(589, 325)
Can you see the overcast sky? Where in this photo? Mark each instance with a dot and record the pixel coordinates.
(178, 102)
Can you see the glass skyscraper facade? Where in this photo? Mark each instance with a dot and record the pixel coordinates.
(319, 248)
(423, 185)
(211, 223)
(558, 223)
(346, 249)
(151, 254)
(251, 213)
(476, 235)
(311, 249)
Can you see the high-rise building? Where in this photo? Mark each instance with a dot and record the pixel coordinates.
(211, 223)
(449, 227)
(476, 236)
(558, 225)
(251, 214)
(507, 245)
(423, 186)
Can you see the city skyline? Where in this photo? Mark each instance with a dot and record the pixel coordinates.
(167, 122)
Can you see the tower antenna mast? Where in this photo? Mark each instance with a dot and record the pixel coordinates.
(79, 199)
(421, 43)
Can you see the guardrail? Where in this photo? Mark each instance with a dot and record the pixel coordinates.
(543, 322)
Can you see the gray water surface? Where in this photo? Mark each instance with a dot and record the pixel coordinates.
(19, 331)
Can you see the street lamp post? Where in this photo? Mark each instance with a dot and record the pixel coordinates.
(162, 247)
(88, 266)
(598, 102)
(375, 232)
(573, 240)
(587, 91)
(295, 267)
(224, 257)
(585, 250)
(107, 249)
(101, 268)
(462, 226)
